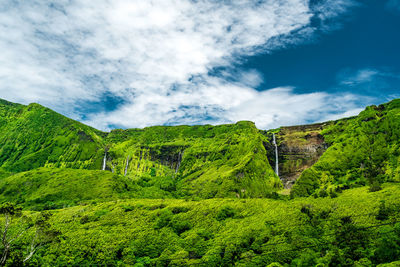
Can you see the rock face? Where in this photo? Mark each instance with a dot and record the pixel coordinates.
(299, 147)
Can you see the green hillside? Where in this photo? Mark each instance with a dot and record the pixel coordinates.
(364, 150)
(34, 136)
(199, 195)
(205, 161)
(202, 161)
(45, 188)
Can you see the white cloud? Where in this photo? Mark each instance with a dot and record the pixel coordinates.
(230, 103)
(360, 76)
(156, 55)
(371, 82)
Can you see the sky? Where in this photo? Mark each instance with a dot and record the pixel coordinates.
(133, 63)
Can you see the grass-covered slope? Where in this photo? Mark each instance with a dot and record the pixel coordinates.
(364, 150)
(206, 161)
(354, 229)
(46, 188)
(201, 161)
(34, 136)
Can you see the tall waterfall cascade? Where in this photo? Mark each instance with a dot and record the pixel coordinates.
(126, 166)
(180, 156)
(276, 154)
(104, 161)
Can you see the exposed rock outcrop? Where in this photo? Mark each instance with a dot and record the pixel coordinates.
(299, 147)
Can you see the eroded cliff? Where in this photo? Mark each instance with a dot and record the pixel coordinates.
(299, 147)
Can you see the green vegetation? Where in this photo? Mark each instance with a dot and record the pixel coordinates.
(344, 231)
(34, 136)
(364, 150)
(57, 188)
(19, 226)
(202, 161)
(198, 195)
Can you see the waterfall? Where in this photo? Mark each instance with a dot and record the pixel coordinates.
(276, 154)
(104, 161)
(126, 166)
(180, 156)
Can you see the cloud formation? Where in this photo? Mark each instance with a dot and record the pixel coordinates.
(158, 56)
(371, 82)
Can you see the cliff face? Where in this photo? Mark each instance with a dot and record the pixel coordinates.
(210, 161)
(299, 147)
(203, 161)
(206, 161)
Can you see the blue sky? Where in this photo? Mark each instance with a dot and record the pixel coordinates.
(132, 63)
(369, 39)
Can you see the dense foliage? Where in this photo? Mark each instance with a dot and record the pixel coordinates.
(205, 161)
(354, 229)
(45, 188)
(34, 136)
(195, 195)
(364, 150)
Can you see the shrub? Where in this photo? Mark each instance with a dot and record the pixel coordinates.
(225, 213)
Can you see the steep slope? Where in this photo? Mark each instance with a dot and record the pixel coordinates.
(299, 147)
(34, 136)
(206, 161)
(362, 150)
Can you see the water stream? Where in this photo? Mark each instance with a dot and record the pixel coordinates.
(104, 161)
(180, 155)
(276, 155)
(126, 166)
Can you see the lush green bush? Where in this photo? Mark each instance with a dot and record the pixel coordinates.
(343, 231)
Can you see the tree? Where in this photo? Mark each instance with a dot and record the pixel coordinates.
(14, 231)
(9, 211)
(43, 234)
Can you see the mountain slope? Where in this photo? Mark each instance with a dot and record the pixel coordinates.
(102, 217)
(206, 161)
(34, 136)
(362, 150)
(299, 147)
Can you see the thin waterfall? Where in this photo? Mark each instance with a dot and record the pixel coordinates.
(180, 156)
(276, 154)
(126, 166)
(104, 161)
